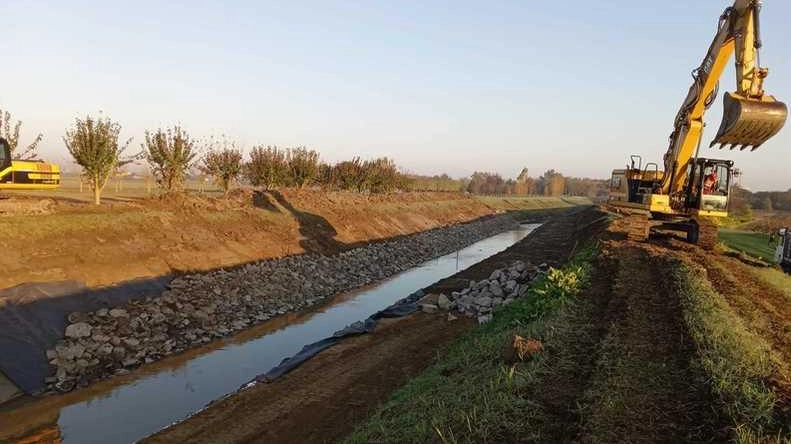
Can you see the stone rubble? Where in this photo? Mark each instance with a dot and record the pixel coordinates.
(199, 308)
(481, 298)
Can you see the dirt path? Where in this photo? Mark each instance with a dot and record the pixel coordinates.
(646, 386)
(327, 395)
(325, 398)
(621, 364)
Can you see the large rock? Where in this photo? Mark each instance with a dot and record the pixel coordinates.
(483, 301)
(429, 308)
(118, 313)
(443, 302)
(78, 330)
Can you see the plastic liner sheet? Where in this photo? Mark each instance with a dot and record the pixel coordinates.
(401, 308)
(33, 318)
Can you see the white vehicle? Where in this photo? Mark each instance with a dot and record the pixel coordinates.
(783, 255)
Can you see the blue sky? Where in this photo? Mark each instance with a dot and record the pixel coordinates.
(440, 86)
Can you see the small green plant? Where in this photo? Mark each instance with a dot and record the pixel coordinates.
(93, 143)
(11, 135)
(170, 153)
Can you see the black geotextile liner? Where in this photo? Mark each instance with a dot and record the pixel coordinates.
(404, 307)
(33, 318)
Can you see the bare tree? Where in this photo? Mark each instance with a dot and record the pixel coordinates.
(224, 165)
(170, 154)
(11, 134)
(93, 143)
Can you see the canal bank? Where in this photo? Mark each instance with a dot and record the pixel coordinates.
(325, 398)
(130, 407)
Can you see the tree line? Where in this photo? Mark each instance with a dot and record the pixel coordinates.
(743, 202)
(171, 154)
(551, 183)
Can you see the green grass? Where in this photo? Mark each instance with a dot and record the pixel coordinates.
(737, 361)
(750, 243)
(776, 278)
(470, 394)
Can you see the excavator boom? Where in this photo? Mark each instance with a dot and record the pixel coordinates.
(693, 189)
(750, 116)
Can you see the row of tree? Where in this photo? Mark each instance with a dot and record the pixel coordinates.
(743, 201)
(551, 183)
(171, 154)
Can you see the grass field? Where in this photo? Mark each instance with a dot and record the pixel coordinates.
(750, 243)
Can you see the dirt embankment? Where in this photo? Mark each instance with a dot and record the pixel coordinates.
(325, 398)
(122, 241)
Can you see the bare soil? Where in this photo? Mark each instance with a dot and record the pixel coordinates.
(325, 398)
(124, 240)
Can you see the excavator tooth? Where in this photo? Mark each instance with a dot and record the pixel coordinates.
(750, 122)
(741, 148)
(733, 145)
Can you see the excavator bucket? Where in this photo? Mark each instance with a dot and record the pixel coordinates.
(749, 122)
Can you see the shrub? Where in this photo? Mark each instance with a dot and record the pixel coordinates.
(303, 166)
(170, 154)
(349, 175)
(224, 165)
(380, 175)
(12, 137)
(267, 167)
(324, 178)
(93, 143)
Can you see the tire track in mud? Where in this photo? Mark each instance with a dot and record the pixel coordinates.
(622, 367)
(574, 350)
(647, 386)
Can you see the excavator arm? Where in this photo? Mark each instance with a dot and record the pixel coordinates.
(750, 117)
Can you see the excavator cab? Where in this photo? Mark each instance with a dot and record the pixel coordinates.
(5, 154)
(748, 122)
(709, 185)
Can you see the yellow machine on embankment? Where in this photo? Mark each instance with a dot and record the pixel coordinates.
(25, 174)
(690, 191)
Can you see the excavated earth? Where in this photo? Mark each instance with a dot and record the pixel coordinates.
(621, 365)
(327, 396)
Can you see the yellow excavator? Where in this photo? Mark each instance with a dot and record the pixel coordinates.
(25, 174)
(691, 191)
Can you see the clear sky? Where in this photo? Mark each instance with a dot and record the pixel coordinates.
(452, 86)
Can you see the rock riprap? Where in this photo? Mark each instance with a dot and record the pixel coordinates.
(481, 298)
(199, 308)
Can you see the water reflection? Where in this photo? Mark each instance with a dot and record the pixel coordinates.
(127, 408)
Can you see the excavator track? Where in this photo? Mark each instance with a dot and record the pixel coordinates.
(707, 234)
(637, 227)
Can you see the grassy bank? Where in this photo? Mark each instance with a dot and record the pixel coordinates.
(738, 362)
(471, 394)
(753, 244)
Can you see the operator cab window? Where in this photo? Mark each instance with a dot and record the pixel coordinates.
(4, 154)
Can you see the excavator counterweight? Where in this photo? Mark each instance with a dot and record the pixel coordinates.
(749, 122)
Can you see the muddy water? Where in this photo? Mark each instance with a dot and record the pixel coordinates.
(128, 408)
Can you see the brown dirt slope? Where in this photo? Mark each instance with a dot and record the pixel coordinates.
(146, 238)
(325, 398)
